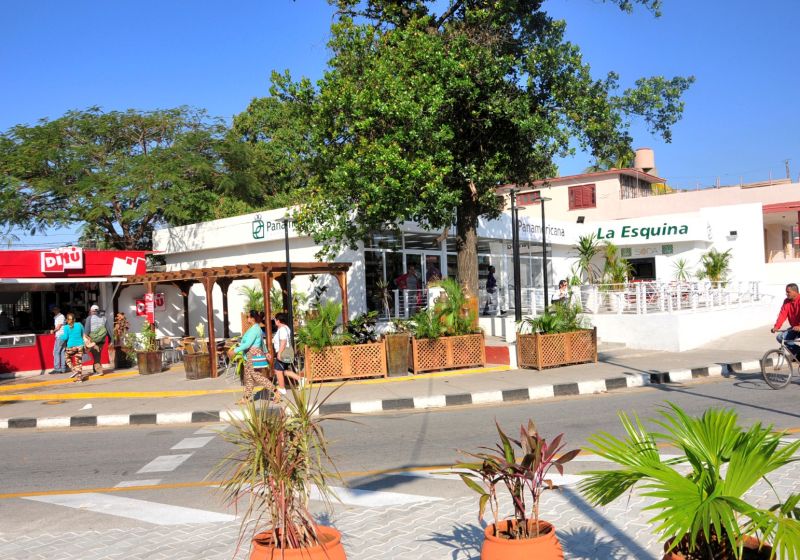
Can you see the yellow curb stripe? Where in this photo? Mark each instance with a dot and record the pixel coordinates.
(120, 395)
(434, 375)
(66, 381)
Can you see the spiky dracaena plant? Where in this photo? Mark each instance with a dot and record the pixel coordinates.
(279, 455)
(704, 512)
(524, 477)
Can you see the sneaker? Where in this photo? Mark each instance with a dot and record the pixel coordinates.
(54, 372)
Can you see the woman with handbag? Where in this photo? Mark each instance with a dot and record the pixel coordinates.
(284, 353)
(72, 334)
(252, 349)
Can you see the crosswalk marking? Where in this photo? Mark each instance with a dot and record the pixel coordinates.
(141, 510)
(164, 463)
(192, 443)
(213, 429)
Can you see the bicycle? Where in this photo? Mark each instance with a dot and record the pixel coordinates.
(776, 365)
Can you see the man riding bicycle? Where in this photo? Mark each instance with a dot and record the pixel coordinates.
(790, 310)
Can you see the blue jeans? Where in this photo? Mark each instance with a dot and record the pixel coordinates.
(788, 336)
(60, 355)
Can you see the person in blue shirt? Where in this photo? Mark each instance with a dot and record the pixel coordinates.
(72, 335)
(252, 348)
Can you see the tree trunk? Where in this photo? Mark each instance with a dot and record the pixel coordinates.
(467, 246)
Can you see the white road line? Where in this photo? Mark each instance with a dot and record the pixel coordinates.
(557, 479)
(129, 483)
(164, 463)
(214, 429)
(150, 512)
(370, 498)
(192, 443)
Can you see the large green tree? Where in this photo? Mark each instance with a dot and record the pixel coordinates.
(120, 174)
(422, 115)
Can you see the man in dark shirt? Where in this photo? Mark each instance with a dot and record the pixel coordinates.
(790, 311)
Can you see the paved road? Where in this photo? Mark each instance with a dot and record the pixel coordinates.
(399, 515)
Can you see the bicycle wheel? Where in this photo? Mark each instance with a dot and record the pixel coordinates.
(777, 369)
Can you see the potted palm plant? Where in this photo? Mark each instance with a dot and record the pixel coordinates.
(524, 535)
(700, 494)
(715, 266)
(557, 337)
(144, 349)
(445, 335)
(279, 456)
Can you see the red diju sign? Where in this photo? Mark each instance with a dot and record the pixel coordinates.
(59, 260)
(149, 308)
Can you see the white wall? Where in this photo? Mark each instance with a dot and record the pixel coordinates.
(681, 331)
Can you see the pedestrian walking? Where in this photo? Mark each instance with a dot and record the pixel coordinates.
(97, 330)
(491, 293)
(255, 360)
(72, 335)
(59, 346)
(284, 353)
(121, 328)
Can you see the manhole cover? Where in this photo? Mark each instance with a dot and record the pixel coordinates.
(54, 402)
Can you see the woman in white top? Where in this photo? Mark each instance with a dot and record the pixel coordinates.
(280, 340)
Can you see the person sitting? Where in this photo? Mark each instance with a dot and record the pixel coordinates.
(562, 296)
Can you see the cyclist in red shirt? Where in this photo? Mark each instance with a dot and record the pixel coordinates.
(790, 310)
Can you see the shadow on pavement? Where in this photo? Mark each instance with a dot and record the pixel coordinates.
(464, 541)
(583, 543)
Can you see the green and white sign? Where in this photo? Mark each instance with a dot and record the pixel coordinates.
(643, 232)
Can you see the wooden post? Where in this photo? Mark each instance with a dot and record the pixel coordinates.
(224, 284)
(184, 286)
(341, 277)
(208, 284)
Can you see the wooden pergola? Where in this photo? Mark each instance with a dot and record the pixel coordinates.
(223, 276)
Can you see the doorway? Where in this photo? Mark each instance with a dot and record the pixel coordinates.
(643, 269)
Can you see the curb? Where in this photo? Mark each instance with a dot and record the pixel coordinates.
(535, 393)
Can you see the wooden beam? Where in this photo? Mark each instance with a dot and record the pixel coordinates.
(224, 284)
(341, 278)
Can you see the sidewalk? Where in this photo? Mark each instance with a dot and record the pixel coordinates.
(122, 398)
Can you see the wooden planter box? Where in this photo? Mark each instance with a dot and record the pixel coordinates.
(346, 362)
(551, 350)
(447, 352)
(197, 366)
(149, 362)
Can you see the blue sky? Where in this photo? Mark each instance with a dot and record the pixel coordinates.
(741, 120)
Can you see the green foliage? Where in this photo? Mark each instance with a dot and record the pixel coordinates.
(426, 324)
(723, 460)
(715, 266)
(681, 270)
(361, 328)
(253, 298)
(320, 330)
(587, 249)
(558, 318)
(522, 476)
(120, 173)
(421, 115)
(448, 317)
(617, 270)
(279, 456)
(145, 341)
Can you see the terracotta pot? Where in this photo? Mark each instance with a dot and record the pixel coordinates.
(149, 362)
(544, 547)
(330, 549)
(751, 551)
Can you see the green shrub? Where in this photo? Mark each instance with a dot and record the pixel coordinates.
(558, 318)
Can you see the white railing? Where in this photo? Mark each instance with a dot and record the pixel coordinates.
(641, 298)
(408, 302)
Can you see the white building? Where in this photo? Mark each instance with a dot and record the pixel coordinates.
(653, 227)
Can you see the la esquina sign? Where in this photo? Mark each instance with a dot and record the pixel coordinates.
(631, 232)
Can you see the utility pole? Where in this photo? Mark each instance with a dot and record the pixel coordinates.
(788, 174)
